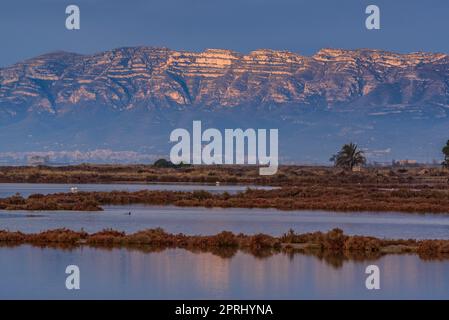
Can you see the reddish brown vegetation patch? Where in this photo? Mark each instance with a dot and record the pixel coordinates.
(433, 248)
(313, 188)
(391, 177)
(343, 198)
(334, 242)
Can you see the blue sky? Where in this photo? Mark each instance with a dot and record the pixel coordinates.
(32, 27)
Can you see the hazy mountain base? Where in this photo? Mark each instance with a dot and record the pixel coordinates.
(306, 134)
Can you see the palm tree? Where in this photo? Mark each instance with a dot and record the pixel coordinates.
(349, 156)
(446, 155)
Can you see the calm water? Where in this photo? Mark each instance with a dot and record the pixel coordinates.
(25, 189)
(248, 221)
(27, 272)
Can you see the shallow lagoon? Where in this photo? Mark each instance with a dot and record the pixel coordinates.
(29, 272)
(214, 220)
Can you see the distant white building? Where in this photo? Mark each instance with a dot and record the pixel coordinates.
(406, 162)
(36, 160)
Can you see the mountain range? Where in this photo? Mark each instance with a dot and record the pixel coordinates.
(394, 105)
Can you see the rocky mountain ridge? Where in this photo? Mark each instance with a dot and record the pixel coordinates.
(396, 106)
(126, 78)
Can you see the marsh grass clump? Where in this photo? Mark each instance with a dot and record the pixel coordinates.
(202, 195)
(57, 236)
(334, 240)
(106, 237)
(365, 244)
(433, 249)
(153, 237)
(293, 238)
(12, 237)
(289, 237)
(262, 241)
(223, 239)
